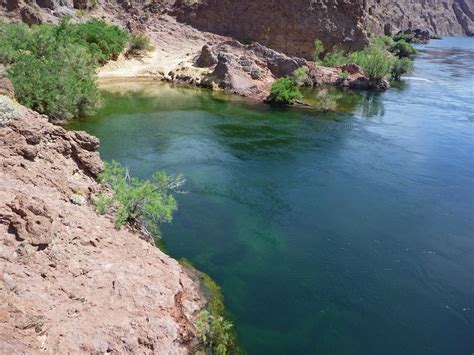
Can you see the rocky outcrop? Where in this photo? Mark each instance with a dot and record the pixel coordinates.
(69, 281)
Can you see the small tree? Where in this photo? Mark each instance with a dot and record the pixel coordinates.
(318, 49)
(300, 75)
(375, 62)
(401, 66)
(138, 202)
(284, 91)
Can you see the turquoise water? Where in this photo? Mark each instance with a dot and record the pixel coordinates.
(337, 233)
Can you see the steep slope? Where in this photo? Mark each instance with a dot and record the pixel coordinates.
(69, 281)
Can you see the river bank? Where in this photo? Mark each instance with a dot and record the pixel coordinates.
(70, 281)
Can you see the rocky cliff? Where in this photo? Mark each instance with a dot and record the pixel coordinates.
(292, 26)
(287, 26)
(69, 281)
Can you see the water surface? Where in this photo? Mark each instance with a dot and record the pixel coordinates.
(330, 233)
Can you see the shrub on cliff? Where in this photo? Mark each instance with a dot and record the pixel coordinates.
(138, 43)
(284, 91)
(318, 49)
(142, 203)
(214, 332)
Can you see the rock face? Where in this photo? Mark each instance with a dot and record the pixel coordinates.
(69, 281)
(439, 17)
(287, 26)
(292, 26)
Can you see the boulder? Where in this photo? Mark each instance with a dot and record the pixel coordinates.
(206, 58)
(31, 220)
(30, 16)
(279, 63)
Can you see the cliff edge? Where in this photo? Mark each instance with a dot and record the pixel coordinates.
(69, 281)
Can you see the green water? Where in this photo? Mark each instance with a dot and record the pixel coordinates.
(338, 233)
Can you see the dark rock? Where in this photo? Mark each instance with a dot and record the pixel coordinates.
(47, 4)
(12, 5)
(207, 58)
(30, 16)
(82, 4)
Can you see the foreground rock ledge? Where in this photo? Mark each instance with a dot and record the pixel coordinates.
(69, 281)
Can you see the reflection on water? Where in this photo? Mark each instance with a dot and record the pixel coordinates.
(347, 232)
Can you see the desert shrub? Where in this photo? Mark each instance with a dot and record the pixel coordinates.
(138, 43)
(318, 49)
(383, 42)
(403, 49)
(375, 62)
(105, 42)
(300, 75)
(138, 202)
(52, 67)
(14, 37)
(284, 91)
(214, 332)
(401, 66)
(60, 85)
(344, 75)
(335, 58)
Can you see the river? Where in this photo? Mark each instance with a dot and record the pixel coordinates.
(330, 233)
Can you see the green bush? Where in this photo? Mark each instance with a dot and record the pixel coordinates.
(300, 75)
(344, 75)
(105, 42)
(375, 62)
(284, 91)
(61, 85)
(14, 37)
(138, 202)
(138, 43)
(403, 49)
(318, 49)
(335, 58)
(214, 332)
(401, 66)
(53, 67)
(383, 42)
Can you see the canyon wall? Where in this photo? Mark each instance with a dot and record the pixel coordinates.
(292, 26)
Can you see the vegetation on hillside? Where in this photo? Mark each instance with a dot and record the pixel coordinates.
(52, 67)
(383, 57)
(140, 203)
